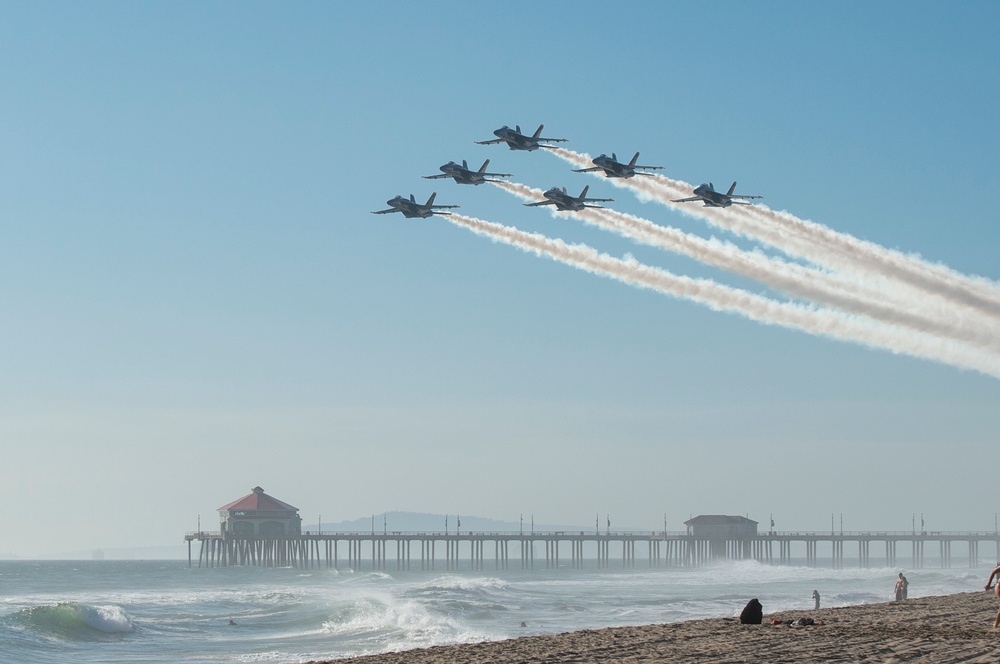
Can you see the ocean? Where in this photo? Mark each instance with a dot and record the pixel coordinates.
(164, 611)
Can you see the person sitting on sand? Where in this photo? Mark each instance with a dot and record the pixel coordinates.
(996, 590)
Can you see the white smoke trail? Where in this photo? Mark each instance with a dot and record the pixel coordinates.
(823, 322)
(796, 280)
(816, 243)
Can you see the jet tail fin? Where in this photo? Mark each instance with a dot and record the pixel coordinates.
(430, 201)
(464, 164)
(634, 159)
(583, 194)
(731, 190)
(538, 132)
(482, 169)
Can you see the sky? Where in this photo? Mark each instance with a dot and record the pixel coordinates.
(196, 300)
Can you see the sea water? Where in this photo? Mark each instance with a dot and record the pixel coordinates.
(165, 611)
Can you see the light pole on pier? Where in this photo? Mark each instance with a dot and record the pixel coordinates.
(522, 523)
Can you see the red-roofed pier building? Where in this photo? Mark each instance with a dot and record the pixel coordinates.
(259, 515)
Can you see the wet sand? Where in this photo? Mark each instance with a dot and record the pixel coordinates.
(953, 628)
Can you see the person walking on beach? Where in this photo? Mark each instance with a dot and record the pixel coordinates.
(901, 586)
(996, 590)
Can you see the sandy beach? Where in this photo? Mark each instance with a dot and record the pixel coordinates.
(953, 628)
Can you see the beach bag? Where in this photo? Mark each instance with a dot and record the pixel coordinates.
(753, 613)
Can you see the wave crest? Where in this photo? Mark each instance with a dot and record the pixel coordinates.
(77, 622)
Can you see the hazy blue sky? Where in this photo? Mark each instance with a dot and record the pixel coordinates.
(196, 300)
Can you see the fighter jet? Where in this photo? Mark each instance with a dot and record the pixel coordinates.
(464, 175)
(411, 208)
(563, 201)
(615, 169)
(712, 198)
(515, 140)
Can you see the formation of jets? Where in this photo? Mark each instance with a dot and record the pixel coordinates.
(557, 196)
(713, 198)
(464, 175)
(563, 201)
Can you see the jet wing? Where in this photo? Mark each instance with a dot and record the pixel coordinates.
(743, 196)
(386, 211)
(497, 175)
(686, 200)
(649, 168)
(549, 140)
(436, 177)
(492, 142)
(599, 200)
(587, 170)
(539, 203)
(443, 207)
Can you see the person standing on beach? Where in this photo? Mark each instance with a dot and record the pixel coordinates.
(901, 586)
(816, 597)
(996, 590)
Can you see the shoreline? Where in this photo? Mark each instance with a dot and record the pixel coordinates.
(948, 628)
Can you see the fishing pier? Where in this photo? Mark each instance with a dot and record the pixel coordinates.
(259, 530)
(576, 550)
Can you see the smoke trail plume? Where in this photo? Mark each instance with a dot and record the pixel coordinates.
(796, 280)
(824, 322)
(817, 243)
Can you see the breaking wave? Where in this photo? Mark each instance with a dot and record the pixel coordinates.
(75, 622)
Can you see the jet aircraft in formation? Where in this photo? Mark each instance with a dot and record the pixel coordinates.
(563, 201)
(712, 198)
(556, 196)
(515, 140)
(615, 169)
(411, 208)
(464, 175)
